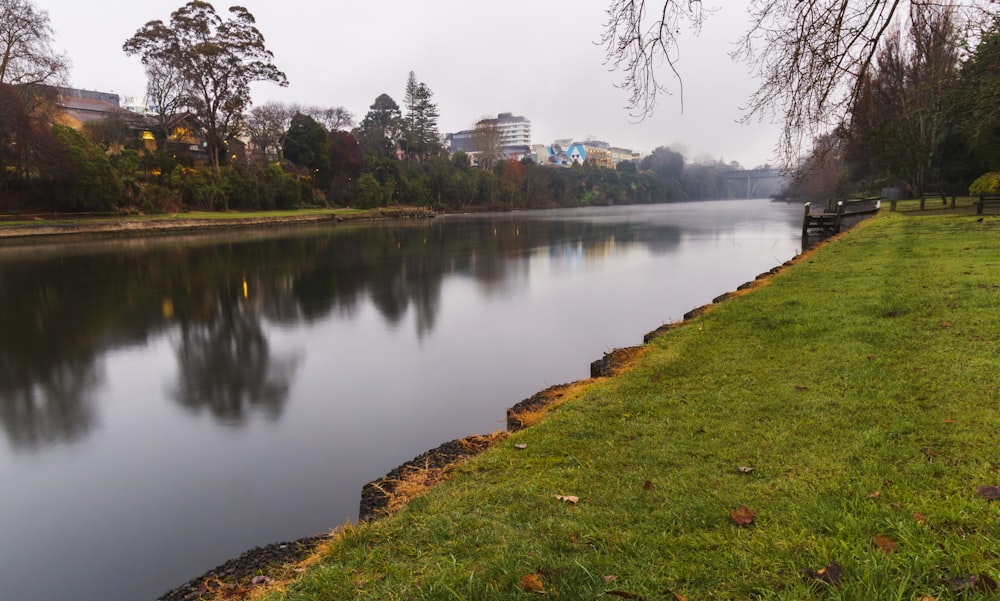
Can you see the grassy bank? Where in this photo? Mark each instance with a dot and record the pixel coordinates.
(832, 434)
(73, 225)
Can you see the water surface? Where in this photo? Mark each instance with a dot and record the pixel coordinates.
(169, 402)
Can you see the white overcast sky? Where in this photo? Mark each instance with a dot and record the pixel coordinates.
(538, 58)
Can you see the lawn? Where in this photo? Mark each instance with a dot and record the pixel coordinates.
(833, 433)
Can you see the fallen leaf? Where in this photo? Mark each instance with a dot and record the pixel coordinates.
(895, 505)
(874, 495)
(801, 388)
(521, 446)
(568, 499)
(945, 324)
(974, 582)
(885, 543)
(929, 452)
(625, 595)
(678, 596)
(744, 469)
(647, 485)
(259, 580)
(928, 599)
(949, 421)
(742, 516)
(832, 574)
(921, 518)
(872, 357)
(610, 578)
(532, 583)
(990, 493)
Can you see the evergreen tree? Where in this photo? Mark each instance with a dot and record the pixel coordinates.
(381, 128)
(421, 139)
(307, 145)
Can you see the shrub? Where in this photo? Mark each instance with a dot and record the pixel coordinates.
(241, 189)
(987, 183)
(202, 191)
(86, 180)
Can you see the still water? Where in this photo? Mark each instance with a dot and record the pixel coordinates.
(167, 403)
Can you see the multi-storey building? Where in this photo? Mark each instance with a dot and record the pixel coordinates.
(514, 130)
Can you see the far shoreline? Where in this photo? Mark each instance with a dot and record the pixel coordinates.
(83, 226)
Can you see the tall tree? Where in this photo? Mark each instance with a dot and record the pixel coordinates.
(487, 142)
(165, 96)
(421, 138)
(26, 54)
(811, 58)
(980, 96)
(901, 115)
(218, 60)
(306, 144)
(381, 129)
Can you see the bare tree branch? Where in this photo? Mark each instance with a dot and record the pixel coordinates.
(810, 56)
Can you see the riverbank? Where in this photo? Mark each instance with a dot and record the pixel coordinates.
(834, 429)
(18, 229)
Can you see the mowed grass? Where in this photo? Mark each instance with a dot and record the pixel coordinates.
(860, 384)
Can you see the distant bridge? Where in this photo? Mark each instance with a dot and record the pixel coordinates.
(753, 177)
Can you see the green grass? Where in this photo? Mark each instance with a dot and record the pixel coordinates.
(862, 386)
(70, 219)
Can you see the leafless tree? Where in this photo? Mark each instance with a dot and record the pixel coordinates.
(486, 143)
(335, 118)
(901, 113)
(165, 97)
(266, 124)
(26, 54)
(810, 55)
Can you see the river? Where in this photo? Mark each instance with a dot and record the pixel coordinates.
(169, 402)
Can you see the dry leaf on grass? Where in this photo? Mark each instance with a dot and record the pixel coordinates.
(742, 516)
(532, 583)
(974, 582)
(886, 544)
(745, 469)
(610, 578)
(647, 485)
(568, 499)
(874, 495)
(990, 493)
(625, 595)
(832, 574)
(921, 518)
(520, 446)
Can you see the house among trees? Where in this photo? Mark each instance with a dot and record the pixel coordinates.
(79, 107)
(101, 115)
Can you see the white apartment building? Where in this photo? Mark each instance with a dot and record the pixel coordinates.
(514, 130)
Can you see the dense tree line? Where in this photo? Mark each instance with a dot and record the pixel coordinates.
(199, 68)
(926, 116)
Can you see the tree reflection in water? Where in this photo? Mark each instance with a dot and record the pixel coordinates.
(64, 306)
(225, 365)
(36, 412)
